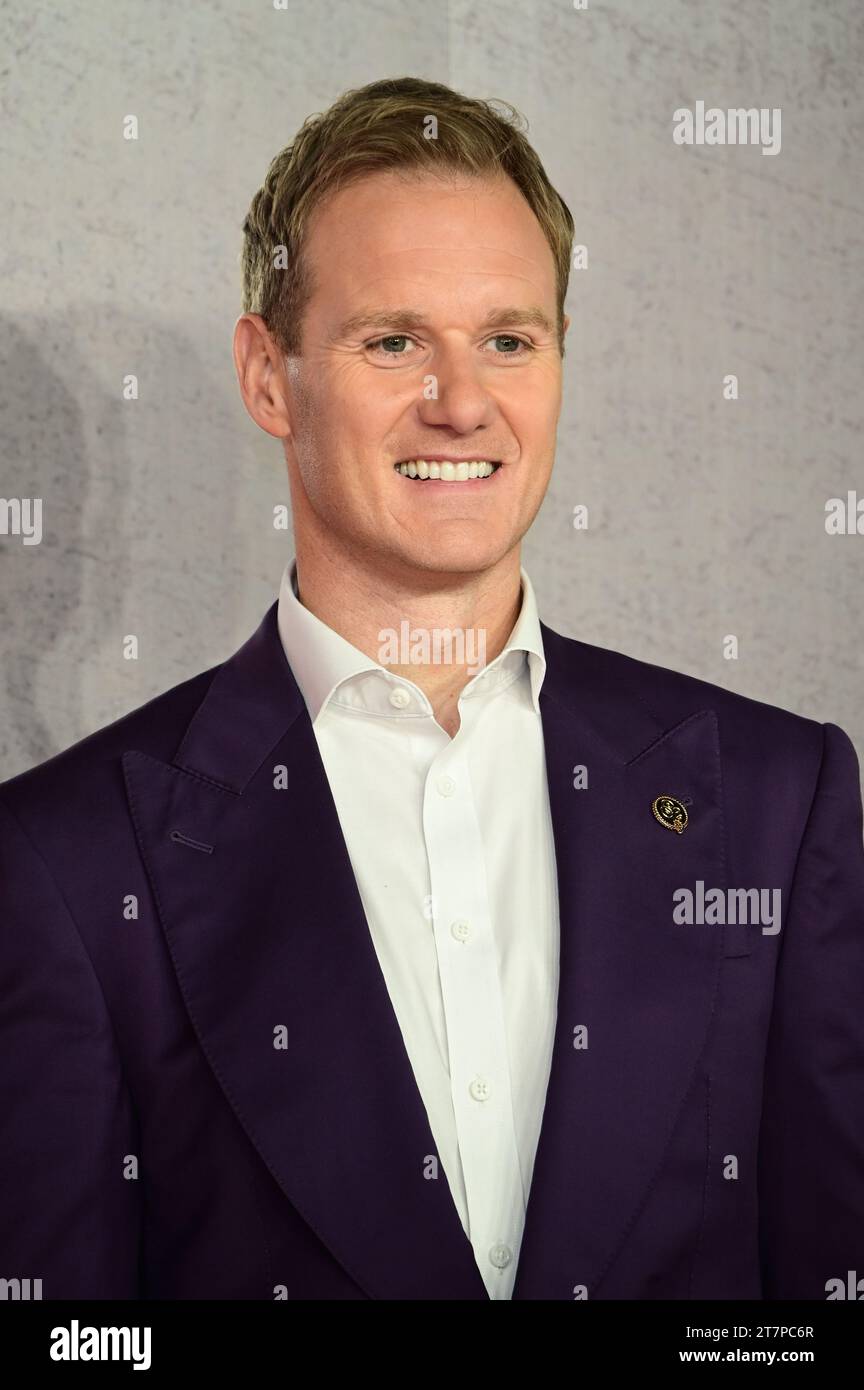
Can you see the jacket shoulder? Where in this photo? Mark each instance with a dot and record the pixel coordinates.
(752, 728)
(80, 774)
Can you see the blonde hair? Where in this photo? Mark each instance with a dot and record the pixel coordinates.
(371, 129)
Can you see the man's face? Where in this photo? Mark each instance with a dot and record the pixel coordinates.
(424, 339)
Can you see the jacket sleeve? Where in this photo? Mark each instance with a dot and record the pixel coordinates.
(811, 1152)
(68, 1215)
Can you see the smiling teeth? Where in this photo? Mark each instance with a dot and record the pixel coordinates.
(447, 472)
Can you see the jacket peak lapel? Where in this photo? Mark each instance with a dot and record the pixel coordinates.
(279, 974)
(637, 990)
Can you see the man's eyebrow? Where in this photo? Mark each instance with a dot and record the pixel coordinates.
(403, 320)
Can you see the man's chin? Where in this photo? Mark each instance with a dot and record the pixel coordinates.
(452, 558)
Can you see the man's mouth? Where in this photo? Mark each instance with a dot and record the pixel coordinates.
(447, 470)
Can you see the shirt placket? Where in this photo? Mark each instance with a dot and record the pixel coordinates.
(474, 1012)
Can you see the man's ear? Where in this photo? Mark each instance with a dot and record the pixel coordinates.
(261, 375)
(566, 323)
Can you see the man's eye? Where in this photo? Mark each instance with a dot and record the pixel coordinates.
(513, 344)
(385, 345)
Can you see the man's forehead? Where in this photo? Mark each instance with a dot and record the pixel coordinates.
(387, 214)
(390, 259)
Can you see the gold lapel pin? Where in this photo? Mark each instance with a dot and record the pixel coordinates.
(670, 812)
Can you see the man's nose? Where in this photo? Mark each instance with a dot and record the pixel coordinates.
(454, 391)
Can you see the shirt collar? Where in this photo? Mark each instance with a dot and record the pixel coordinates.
(328, 669)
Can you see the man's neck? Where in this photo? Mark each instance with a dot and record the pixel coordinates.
(394, 619)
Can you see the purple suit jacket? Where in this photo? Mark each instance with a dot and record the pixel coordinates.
(165, 908)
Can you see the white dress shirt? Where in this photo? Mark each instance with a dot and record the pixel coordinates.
(451, 845)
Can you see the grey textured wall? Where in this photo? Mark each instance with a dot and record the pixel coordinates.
(706, 515)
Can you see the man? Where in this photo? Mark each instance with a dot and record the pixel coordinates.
(417, 951)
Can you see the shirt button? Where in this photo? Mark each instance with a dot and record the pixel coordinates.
(400, 697)
(459, 930)
(480, 1089)
(446, 786)
(500, 1255)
